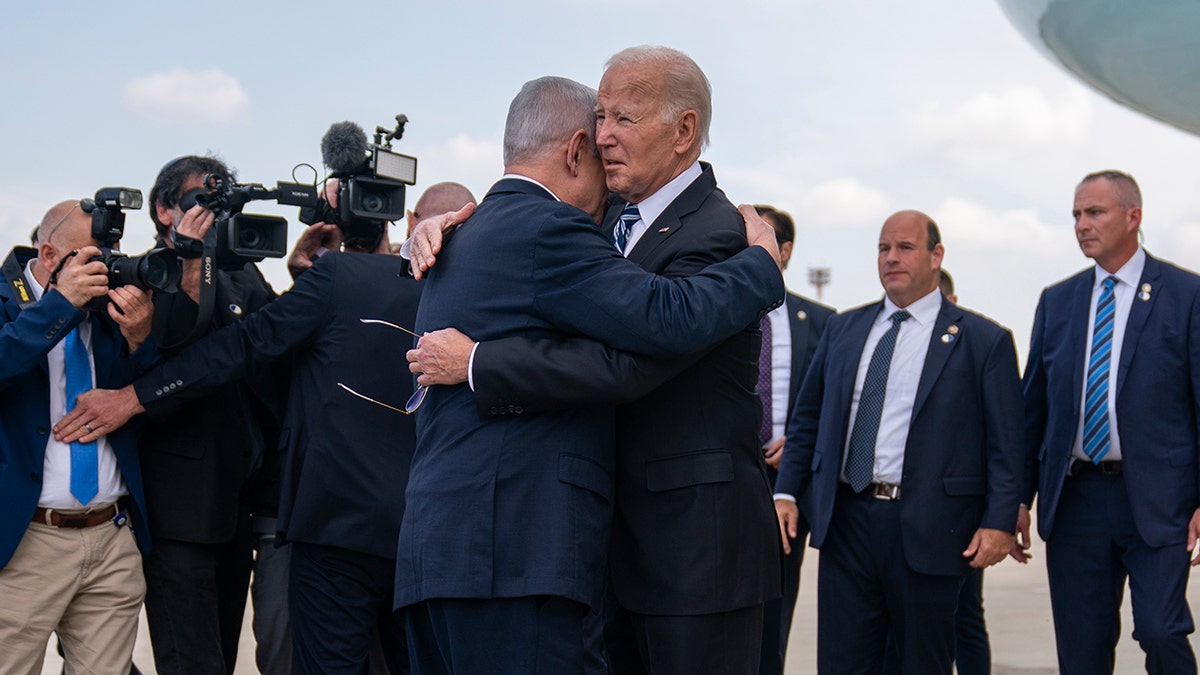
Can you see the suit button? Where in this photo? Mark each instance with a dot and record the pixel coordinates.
(50, 335)
(179, 382)
(158, 392)
(493, 410)
(33, 476)
(41, 431)
(520, 410)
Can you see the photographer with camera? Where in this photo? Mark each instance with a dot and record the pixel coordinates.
(200, 460)
(69, 562)
(345, 460)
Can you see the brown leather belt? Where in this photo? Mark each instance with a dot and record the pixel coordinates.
(888, 492)
(74, 519)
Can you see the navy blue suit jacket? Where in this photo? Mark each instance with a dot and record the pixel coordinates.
(522, 505)
(26, 336)
(695, 514)
(1157, 398)
(962, 462)
(345, 460)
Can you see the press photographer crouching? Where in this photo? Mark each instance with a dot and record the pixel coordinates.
(201, 459)
(68, 511)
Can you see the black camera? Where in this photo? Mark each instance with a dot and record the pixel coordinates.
(158, 269)
(372, 182)
(242, 238)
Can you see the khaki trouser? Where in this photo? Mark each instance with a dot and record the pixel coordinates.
(85, 584)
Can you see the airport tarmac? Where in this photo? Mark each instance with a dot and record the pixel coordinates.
(1016, 603)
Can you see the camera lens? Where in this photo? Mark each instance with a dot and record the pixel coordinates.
(251, 238)
(156, 271)
(373, 202)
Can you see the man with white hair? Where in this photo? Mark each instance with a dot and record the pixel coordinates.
(694, 553)
(503, 545)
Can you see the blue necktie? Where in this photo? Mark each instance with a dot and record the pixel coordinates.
(629, 216)
(1095, 417)
(860, 463)
(85, 472)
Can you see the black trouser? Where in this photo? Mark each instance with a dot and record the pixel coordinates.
(195, 601)
(338, 601)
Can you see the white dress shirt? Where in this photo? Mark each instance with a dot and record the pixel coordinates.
(56, 468)
(652, 207)
(908, 360)
(781, 369)
(1124, 291)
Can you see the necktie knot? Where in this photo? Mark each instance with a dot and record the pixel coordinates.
(629, 216)
(1109, 284)
(900, 316)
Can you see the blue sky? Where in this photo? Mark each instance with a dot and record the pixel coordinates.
(838, 112)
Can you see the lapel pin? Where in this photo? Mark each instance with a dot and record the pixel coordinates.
(1145, 294)
(235, 310)
(1146, 288)
(947, 338)
(952, 329)
(802, 315)
(663, 230)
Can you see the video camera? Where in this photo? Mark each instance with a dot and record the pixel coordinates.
(242, 238)
(158, 269)
(372, 182)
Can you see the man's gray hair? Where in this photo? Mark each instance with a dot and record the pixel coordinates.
(686, 87)
(545, 114)
(1128, 192)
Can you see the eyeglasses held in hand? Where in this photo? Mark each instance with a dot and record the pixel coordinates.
(418, 395)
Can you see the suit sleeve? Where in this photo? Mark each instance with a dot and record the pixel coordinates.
(1005, 451)
(585, 286)
(26, 340)
(1194, 367)
(227, 354)
(538, 374)
(795, 468)
(1034, 385)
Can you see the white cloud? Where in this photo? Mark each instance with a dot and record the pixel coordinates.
(472, 162)
(992, 127)
(843, 201)
(190, 98)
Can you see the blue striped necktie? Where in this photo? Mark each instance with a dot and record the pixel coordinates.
(620, 236)
(1096, 441)
(85, 473)
(860, 463)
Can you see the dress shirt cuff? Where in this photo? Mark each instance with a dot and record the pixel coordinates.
(471, 367)
(783, 496)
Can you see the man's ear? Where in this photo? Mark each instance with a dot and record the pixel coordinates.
(164, 215)
(578, 145)
(686, 130)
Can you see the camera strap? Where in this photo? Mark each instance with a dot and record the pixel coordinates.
(207, 294)
(14, 275)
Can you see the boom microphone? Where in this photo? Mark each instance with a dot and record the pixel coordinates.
(344, 147)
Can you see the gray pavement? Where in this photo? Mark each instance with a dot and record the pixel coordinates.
(1016, 601)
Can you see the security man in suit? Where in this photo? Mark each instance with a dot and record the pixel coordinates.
(345, 460)
(68, 562)
(907, 432)
(1112, 389)
(790, 336)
